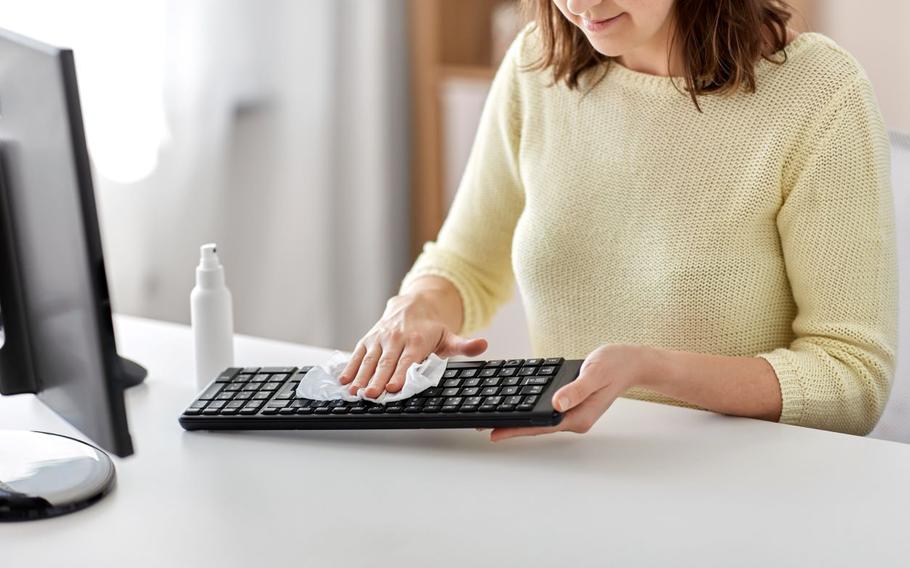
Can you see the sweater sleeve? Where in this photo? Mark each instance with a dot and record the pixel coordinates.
(836, 231)
(473, 248)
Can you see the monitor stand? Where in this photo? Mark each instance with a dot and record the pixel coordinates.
(131, 373)
(45, 475)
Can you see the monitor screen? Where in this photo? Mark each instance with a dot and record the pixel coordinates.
(59, 335)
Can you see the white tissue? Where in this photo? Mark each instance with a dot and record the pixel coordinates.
(321, 381)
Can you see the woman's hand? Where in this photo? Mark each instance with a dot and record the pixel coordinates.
(606, 373)
(409, 330)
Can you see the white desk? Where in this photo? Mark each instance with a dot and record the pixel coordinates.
(648, 486)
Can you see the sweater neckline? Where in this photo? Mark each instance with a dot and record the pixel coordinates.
(676, 84)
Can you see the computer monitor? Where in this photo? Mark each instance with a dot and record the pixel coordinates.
(56, 313)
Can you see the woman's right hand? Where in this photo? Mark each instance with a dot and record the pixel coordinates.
(409, 330)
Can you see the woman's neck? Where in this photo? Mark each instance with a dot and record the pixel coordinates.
(651, 56)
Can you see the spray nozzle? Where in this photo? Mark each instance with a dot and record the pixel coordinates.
(209, 256)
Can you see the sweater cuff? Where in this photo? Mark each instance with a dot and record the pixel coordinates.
(469, 315)
(793, 399)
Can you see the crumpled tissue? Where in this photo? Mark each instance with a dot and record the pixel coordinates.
(321, 381)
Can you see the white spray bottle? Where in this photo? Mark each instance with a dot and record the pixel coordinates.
(212, 318)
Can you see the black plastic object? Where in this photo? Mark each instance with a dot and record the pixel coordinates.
(59, 337)
(45, 475)
(471, 394)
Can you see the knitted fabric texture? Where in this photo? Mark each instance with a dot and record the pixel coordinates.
(762, 226)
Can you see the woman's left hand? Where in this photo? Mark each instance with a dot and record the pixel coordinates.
(606, 373)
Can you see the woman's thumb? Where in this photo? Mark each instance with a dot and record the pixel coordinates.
(456, 345)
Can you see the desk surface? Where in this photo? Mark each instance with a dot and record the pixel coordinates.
(650, 485)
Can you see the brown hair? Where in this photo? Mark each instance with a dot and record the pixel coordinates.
(720, 40)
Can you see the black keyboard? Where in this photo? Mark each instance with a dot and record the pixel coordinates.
(471, 394)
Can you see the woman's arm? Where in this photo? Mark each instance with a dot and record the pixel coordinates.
(742, 386)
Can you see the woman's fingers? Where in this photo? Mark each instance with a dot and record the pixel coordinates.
(384, 369)
(588, 382)
(350, 370)
(579, 420)
(367, 368)
(408, 356)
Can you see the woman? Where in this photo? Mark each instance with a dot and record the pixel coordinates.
(692, 198)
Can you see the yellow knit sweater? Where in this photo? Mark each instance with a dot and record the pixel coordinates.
(762, 226)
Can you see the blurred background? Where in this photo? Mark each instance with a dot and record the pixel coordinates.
(320, 142)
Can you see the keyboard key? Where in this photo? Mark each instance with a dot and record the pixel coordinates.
(394, 409)
(489, 391)
(306, 410)
(532, 400)
(449, 383)
(192, 411)
(450, 374)
(495, 363)
(450, 392)
(553, 361)
(512, 400)
(465, 364)
(507, 391)
(233, 387)
(473, 401)
(260, 378)
(494, 400)
(235, 404)
(431, 409)
(225, 396)
(341, 410)
(243, 396)
(531, 390)
(486, 408)
(511, 381)
(527, 371)
(432, 391)
(269, 411)
(467, 373)
(505, 408)
(471, 382)
(377, 409)
(359, 410)
(468, 408)
(469, 391)
(508, 371)
(489, 372)
(491, 382)
(533, 361)
(216, 404)
(547, 370)
(538, 380)
(513, 362)
(273, 370)
(211, 392)
(226, 375)
(318, 403)
(261, 396)
(198, 405)
(269, 387)
(322, 410)
(434, 401)
(412, 409)
(250, 387)
(242, 378)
